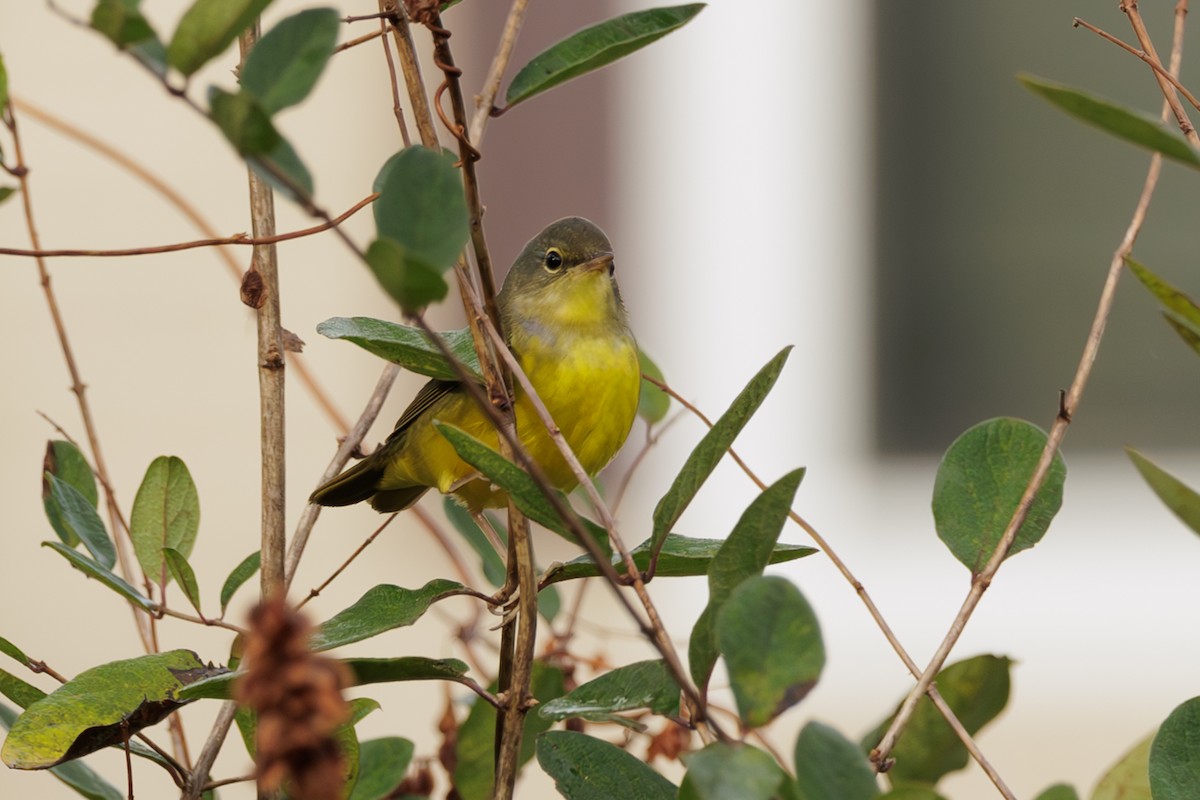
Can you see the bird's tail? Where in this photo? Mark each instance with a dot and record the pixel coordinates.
(356, 484)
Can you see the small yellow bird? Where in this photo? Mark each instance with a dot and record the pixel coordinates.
(567, 326)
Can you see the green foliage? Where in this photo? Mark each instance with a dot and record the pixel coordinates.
(12, 651)
(1174, 756)
(1180, 310)
(1129, 778)
(79, 522)
(645, 684)
(241, 573)
(122, 23)
(976, 691)
(587, 768)
(65, 462)
(830, 765)
(6, 191)
(75, 774)
(382, 608)
(653, 402)
(381, 766)
(980, 482)
(406, 346)
(285, 64)
(166, 514)
(595, 47)
(361, 671)
(184, 575)
(101, 573)
(1059, 791)
(22, 693)
(1175, 494)
(408, 281)
(721, 771)
(207, 28)
(1132, 126)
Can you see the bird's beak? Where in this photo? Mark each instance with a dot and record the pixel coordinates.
(603, 261)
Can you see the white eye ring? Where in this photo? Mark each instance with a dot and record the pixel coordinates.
(554, 260)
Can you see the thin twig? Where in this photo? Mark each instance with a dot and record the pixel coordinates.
(211, 622)
(486, 101)
(410, 67)
(1130, 7)
(1068, 406)
(198, 782)
(360, 40)
(397, 109)
(349, 560)
(1151, 62)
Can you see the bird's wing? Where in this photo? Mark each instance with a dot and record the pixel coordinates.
(430, 393)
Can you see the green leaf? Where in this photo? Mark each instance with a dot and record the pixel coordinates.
(246, 125)
(166, 513)
(979, 483)
(1182, 312)
(283, 169)
(743, 555)
(1174, 756)
(363, 671)
(911, 793)
(79, 519)
(421, 206)
(207, 28)
(976, 690)
(412, 283)
(284, 65)
(77, 775)
(3, 85)
(518, 484)
(1059, 791)
(645, 684)
(724, 770)
(464, 523)
(6, 192)
(767, 614)
(1129, 778)
(121, 22)
(241, 573)
(12, 651)
(653, 403)
(100, 573)
(1132, 126)
(830, 765)
(587, 768)
(1175, 494)
(595, 47)
(704, 458)
(381, 609)
(20, 692)
(681, 557)
(381, 767)
(101, 706)
(1190, 336)
(64, 461)
(405, 346)
(475, 747)
(184, 576)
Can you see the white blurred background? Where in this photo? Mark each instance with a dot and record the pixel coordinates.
(733, 165)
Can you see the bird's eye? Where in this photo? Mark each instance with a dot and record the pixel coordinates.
(554, 259)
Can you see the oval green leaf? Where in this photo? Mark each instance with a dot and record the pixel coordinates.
(381, 767)
(101, 706)
(185, 577)
(1175, 494)
(723, 770)
(830, 765)
(1174, 756)
(122, 23)
(653, 403)
(421, 206)
(166, 513)
(12, 651)
(645, 684)
(709, 451)
(207, 28)
(406, 346)
(64, 461)
(382, 608)
(76, 774)
(241, 573)
(743, 555)
(587, 768)
(977, 691)
(284, 65)
(245, 124)
(595, 47)
(79, 520)
(1132, 126)
(1059, 791)
(1129, 778)
(407, 280)
(980, 482)
(22, 693)
(768, 615)
(100, 573)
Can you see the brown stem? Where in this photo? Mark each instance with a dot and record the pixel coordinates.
(357, 552)
(198, 782)
(1130, 7)
(486, 102)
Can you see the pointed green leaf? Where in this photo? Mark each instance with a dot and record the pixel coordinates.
(587, 768)
(653, 403)
(1190, 336)
(1132, 126)
(595, 47)
(100, 573)
(184, 576)
(101, 706)
(723, 770)
(712, 447)
(12, 651)
(421, 206)
(519, 485)
(681, 557)
(1129, 778)
(122, 23)
(830, 765)
(1174, 756)
(405, 346)
(20, 692)
(243, 121)
(1059, 791)
(166, 513)
(76, 774)
(284, 65)
(475, 748)
(464, 523)
(207, 28)
(3, 85)
(1175, 494)
(80, 521)
(976, 690)
(743, 555)
(363, 671)
(645, 684)
(1169, 296)
(241, 573)
(6, 191)
(381, 609)
(382, 764)
(767, 614)
(979, 483)
(64, 461)
(412, 283)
